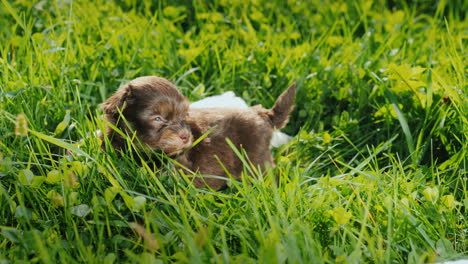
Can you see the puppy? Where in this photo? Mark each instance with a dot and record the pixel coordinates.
(162, 121)
(153, 109)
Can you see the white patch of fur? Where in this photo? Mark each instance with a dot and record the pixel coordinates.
(226, 100)
(279, 138)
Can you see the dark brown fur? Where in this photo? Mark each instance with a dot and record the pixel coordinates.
(135, 107)
(249, 129)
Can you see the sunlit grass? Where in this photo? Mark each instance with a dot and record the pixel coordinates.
(376, 171)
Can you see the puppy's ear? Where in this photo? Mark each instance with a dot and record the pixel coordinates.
(118, 101)
(283, 106)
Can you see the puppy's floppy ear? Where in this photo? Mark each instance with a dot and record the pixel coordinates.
(118, 101)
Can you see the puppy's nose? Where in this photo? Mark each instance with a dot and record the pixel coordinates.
(184, 138)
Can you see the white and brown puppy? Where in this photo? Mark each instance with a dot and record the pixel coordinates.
(161, 119)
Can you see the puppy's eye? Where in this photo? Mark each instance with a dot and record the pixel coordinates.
(158, 119)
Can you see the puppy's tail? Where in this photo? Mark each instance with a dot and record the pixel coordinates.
(279, 113)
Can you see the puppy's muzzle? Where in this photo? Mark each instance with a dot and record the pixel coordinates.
(182, 130)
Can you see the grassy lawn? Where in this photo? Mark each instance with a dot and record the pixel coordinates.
(376, 171)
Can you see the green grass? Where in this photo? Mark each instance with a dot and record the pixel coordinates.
(376, 171)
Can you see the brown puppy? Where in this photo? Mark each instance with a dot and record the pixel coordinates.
(145, 100)
(155, 110)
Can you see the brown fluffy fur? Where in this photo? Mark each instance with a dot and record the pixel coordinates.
(249, 129)
(155, 110)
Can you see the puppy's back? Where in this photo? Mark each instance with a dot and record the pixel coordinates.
(245, 128)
